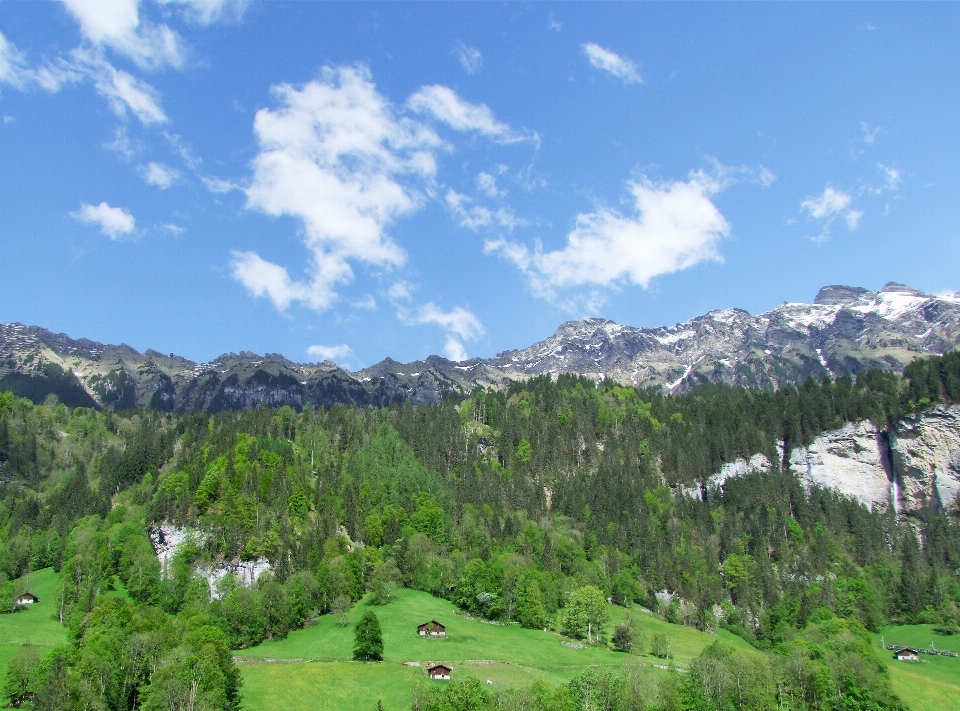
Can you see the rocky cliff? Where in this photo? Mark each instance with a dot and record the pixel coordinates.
(913, 467)
(845, 330)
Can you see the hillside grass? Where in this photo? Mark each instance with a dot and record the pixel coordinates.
(311, 668)
(35, 624)
(933, 684)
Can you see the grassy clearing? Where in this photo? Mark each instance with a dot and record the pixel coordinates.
(36, 624)
(933, 684)
(311, 667)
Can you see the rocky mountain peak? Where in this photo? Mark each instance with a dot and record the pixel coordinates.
(845, 331)
(838, 295)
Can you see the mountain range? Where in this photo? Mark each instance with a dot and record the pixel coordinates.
(844, 331)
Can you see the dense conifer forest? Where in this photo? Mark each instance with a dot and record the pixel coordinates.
(542, 504)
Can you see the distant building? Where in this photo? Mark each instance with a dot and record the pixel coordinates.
(439, 671)
(432, 629)
(907, 654)
(27, 599)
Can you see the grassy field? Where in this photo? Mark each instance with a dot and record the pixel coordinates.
(36, 624)
(933, 684)
(311, 668)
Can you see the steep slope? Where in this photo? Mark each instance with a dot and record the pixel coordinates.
(845, 330)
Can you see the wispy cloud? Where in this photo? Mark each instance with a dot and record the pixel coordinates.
(332, 353)
(870, 133)
(829, 205)
(487, 184)
(159, 175)
(459, 324)
(612, 62)
(475, 217)
(470, 58)
(115, 222)
(443, 104)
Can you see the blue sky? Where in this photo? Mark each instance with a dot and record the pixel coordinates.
(356, 181)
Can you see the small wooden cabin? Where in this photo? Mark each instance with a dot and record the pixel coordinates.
(431, 629)
(907, 654)
(27, 599)
(439, 671)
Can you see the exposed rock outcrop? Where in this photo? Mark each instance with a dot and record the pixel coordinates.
(914, 467)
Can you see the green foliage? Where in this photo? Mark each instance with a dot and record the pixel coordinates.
(368, 639)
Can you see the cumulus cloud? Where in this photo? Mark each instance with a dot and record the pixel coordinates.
(612, 62)
(829, 205)
(367, 303)
(470, 58)
(174, 229)
(475, 217)
(334, 155)
(673, 226)
(443, 104)
(115, 222)
(159, 175)
(116, 24)
(330, 352)
(459, 324)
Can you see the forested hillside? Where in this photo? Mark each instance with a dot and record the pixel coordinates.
(532, 504)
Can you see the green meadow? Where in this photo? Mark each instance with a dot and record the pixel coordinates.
(35, 624)
(933, 683)
(311, 668)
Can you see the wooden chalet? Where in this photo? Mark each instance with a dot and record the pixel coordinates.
(27, 599)
(431, 629)
(439, 671)
(907, 654)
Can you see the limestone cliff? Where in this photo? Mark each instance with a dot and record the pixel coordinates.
(913, 467)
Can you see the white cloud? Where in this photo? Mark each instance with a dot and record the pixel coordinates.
(115, 222)
(894, 176)
(553, 24)
(474, 217)
(829, 205)
(122, 90)
(444, 105)
(174, 229)
(159, 175)
(116, 24)
(218, 185)
(367, 303)
(7, 119)
(470, 58)
(612, 62)
(459, 324)
(675, 226)
(335, 156)
(330, 352)
(400, 291)
(122, 144)
(17, 72)
(206, 12)
(870, 133)
(487, 184)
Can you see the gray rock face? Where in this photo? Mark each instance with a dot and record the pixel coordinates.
(852, 460)
(915, 467)
(845, 331)
(926, 459)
